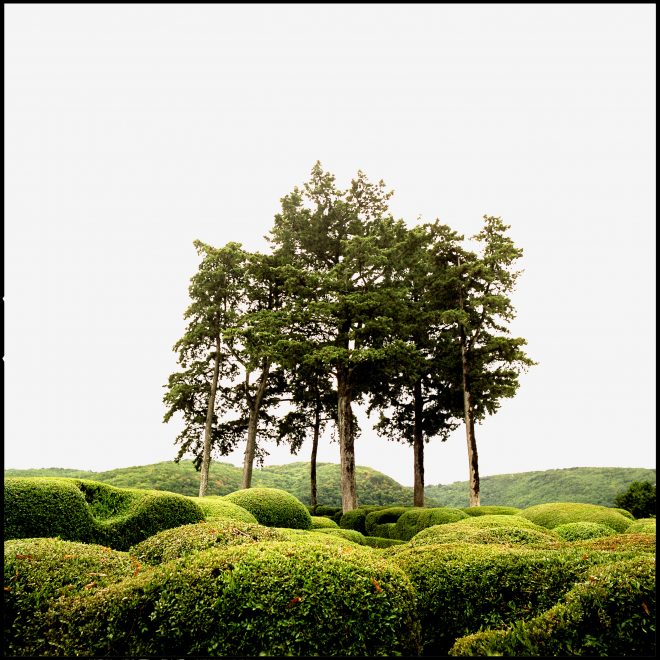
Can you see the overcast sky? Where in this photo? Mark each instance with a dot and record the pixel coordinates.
(132, 130)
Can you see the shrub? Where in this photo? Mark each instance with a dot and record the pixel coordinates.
(377, 542)
(39, 570)
(414, 520)
(462, 588)
(272, 507)
(348, 534)
(329, 511)
(181, 541)
(625, 513)
(319, 522)
(558, 513)
(356, 518)
(619, 543)
(263, 599)
(611, 613)
(457, 532)
(375, 522)
(489, 510)
(639, 499)
(642, 526)
(215, 507)
(582, 530)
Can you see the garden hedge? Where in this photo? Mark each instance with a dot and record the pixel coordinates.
(618, 543)
(356, 518)
(215, 506)
(278, 598)
(414, 520)
(610, 613)
(321, 522)
(489, 510)
(577, 531)
(380, 523)
(553, 514)
(642, 526)
(272, 507)
(348, 534)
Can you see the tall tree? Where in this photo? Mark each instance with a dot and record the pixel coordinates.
(336, 242)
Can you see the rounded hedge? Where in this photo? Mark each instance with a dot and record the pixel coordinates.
(321, 522)
(620, 543)
(582, 530)
(379, 523)
(611, 613)
(642, 526)
(265, 599)
(414, 520)
(463, 588)
(356, 518)
(272, 507)
(181, 541)
(554, 514)
(625, 513)
(37, 571)
(348, 534)
(456, 533)
(215, 507)
(488, 510)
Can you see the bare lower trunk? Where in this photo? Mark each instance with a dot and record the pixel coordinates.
(418, 447)
(473, 458)
(206, 451)
(346, 442)
(312, 470)
(255, 405)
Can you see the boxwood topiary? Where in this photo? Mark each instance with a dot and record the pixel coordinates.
(319, 522)
(376, 542)
(582, 530)
(356, 518)
(181, 541)
(39, 570)
(414, 520)
(619, 543)
(642, 526)
(462, 588)
(215, 506)
(457, 532)
(348, 534)
(488, 510)
(552, 514)
(375, 521)
(278, 599)
(611, 613)
(273, 507)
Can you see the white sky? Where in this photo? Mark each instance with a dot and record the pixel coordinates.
(132, 130)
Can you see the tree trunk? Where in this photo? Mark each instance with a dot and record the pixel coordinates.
(206, 452)
(473, 458)
(253, 421)
(312, 470)
(418, 446)
(346, 441)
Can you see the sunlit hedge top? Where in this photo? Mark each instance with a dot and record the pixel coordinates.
(582, 530)
(321, 522)
(215, 507)
(414, 520)
(558, 513)
(488, 510)
(272, 507)
(642, 526)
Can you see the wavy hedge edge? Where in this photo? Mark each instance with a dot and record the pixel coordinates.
(215, 507)
(272, 507)
(553, 514)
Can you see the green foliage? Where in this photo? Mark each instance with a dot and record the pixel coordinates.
(639, 499)
(610, 613)
(582, 530)
(414, 520)
(356, 518)
(272, 507)
(642, 526)
(491, 510)
(215, 507)
(348, 534)
(377, 542)
(463, 588)
(619, 543)
(37, 571)
(377, 522)
(181, 541)
(320, 522)
(625, 513)
(264, 599)
(524, 489)
(554, 514)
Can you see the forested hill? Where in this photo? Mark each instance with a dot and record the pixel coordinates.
(590, 485)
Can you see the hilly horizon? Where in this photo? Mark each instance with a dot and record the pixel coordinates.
(581, 484)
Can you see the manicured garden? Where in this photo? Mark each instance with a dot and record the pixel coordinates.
(95, 570)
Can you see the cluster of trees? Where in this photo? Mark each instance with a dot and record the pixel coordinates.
(350, 306)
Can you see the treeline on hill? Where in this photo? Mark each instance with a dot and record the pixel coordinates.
(350, 306)
(586, 485)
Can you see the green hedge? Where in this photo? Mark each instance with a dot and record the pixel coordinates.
(273, 507)
(264, 599)
(376, 522)
(625, 513)
(489, 510)
(321, 522)
(348, 534)
(457, 533)
(611, 613)
(356, 518)
(582, 530)
(462, 588)
(558, 513)
(181, 541)
(619, 543)
(377, 542)
(215, 507)
(642, 526)
(414, 520)
(37, 571)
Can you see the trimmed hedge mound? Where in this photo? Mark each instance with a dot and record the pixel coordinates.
(348, 534)
(272, 507)
(578, 531)
(457, 532)
(489, 510)
(414, 520)
(554, 514)
(612, 613)
(380, 523)
(181, 541)
(265, 599)
(462, 588)
(38, 571)
(215, 507)
(377, 542)
(619, 543)
(356, 518)
(321, 522)
(642, 526)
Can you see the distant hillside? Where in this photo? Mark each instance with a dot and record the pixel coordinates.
(523, 489)
(590, 485)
